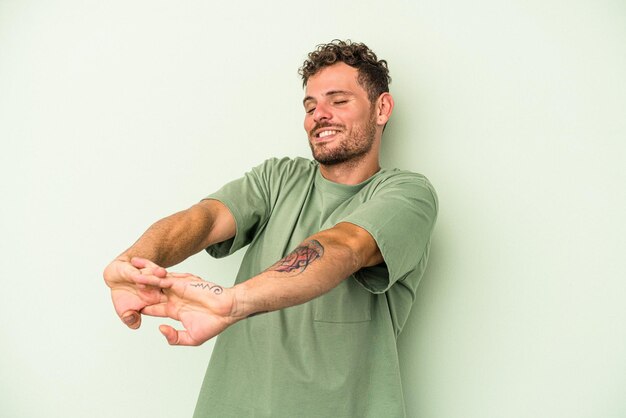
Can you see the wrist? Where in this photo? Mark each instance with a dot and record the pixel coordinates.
(243, 306)
(123, 258)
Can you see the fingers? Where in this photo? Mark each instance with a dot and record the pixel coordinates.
(132, 319)
(117, 273)
(120, 276)
(175, 337)
(159, 310)
(146, 277)
(142, 280)
(143, 263)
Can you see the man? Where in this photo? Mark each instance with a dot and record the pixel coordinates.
(337, 247)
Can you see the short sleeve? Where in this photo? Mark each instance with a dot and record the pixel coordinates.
(248, 200)
(400, 216)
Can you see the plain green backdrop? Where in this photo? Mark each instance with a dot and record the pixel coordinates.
(114, 114)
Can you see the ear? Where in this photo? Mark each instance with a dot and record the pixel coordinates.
(384, 107)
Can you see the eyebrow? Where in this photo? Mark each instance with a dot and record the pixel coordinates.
(330, 93)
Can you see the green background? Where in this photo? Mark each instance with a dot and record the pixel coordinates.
(114, 114)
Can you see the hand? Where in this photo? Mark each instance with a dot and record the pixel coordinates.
(128, 298)
(205, 309)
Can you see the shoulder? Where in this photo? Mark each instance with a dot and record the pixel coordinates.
(395, 175)
(403, 182)
(284, 173)
(286, 165)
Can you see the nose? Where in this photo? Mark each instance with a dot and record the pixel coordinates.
(321, 113)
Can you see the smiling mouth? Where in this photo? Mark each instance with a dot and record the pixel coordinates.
(324, 133)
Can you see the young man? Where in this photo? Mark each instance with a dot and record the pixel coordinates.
(337, 247)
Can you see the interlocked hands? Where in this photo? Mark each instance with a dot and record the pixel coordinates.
(139, 286)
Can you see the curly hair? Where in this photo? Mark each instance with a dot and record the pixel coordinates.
(373, 73)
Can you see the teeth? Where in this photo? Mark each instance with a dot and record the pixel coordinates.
(326, 133)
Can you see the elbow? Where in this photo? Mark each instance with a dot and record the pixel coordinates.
(358, 248)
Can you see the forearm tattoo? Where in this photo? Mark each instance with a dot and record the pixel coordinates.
(216, 289)
(300, 258)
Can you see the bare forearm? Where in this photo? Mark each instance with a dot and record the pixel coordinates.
(174, 238)
(318, 265)
(166, 242)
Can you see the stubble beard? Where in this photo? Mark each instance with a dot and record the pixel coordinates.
(351, 150)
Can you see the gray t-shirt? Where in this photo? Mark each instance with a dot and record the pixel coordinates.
(336, 355)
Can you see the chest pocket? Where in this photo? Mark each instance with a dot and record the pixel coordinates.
(348, 302)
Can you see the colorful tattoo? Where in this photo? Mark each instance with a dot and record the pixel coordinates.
(300, 258)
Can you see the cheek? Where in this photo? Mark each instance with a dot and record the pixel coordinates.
(308, 123)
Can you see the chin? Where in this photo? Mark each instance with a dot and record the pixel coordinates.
(329, 160)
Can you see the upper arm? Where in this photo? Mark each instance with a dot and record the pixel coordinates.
(400, 217)
(222, 225)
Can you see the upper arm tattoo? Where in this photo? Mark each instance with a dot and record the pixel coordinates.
(300, 258)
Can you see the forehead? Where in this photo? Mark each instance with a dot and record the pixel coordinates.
(336, 77)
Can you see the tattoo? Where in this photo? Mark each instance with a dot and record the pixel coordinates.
(209, 286)
(300, 258)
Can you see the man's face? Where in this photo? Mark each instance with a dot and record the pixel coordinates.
(340, 120)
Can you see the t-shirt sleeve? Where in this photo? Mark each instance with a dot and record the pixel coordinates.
(400, 216)
(248, 200)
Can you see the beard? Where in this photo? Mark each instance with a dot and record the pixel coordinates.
(351, 149)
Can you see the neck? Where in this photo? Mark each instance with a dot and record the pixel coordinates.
(350, 172)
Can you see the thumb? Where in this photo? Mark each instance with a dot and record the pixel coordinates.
(175, 337)
(132, 319)
(171, 335)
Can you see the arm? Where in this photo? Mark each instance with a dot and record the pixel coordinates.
(167, 242)
(315, 267)
(178, 236)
